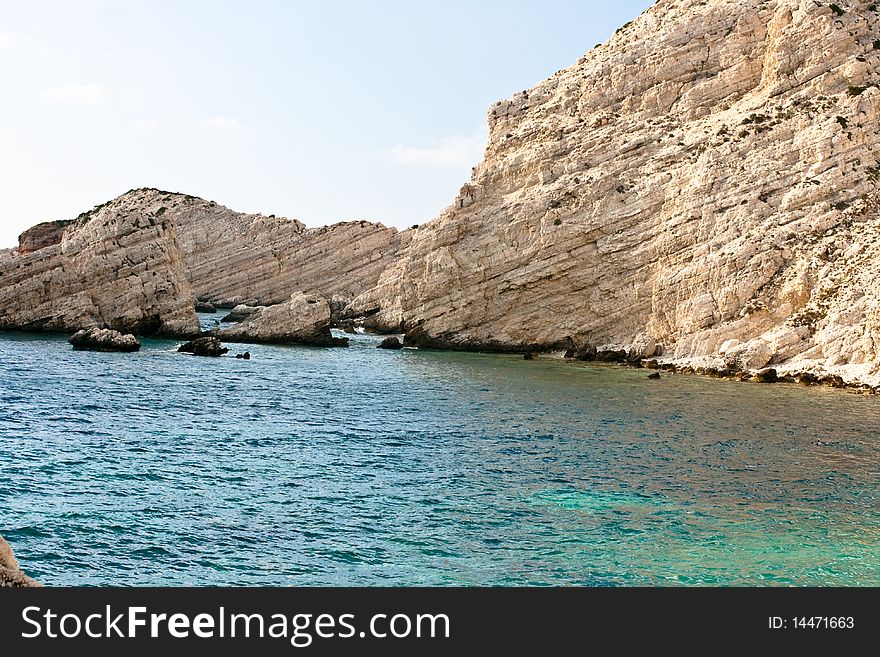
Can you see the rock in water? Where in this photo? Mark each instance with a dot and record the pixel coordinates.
(654, 375)
(706, 180)
(205, 307)
(304, 319)
(390, 342)
(10, 572)
(240, 313)
(204, 346)
(766, 376)
(245, 356)
(122, 272)
(97, 339)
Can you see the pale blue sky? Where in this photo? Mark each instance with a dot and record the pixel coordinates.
(323, 111)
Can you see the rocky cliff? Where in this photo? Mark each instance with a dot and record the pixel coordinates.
(232, 257)
(110, 270)
(703, 184)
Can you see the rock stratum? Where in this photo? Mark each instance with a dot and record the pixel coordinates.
(232, 257)
(120, 271)
(703, 185)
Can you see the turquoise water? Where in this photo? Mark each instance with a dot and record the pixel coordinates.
(361, 466)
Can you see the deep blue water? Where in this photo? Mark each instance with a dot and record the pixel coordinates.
(360, 466)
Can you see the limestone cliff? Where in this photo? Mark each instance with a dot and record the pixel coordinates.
(704, 181)
(106, 270)
(232, 257)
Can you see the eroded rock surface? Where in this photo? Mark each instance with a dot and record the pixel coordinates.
(703, 185)
(303, 319)
(233, 257)
(109, 270)
(97, 339)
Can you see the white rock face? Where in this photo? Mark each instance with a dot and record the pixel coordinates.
(303, 319)
(705, 182)
(110, 270)
(232, 257)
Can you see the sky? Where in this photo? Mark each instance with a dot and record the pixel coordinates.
(320, 110)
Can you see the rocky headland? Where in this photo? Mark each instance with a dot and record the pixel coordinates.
(701, 187)
(103, 270)
(233, 257)
(699, 190)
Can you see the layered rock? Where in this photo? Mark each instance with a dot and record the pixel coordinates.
(109, 270)
(232, 257)
(42, 235)
(10, 572)
(97, 339)
(304, 319)
(702, 185)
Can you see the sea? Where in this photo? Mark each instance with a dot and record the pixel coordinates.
(362, 466)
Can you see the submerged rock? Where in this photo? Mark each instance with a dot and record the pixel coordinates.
(391, 342)
(654, 375)
(98, 339)
(10, 571)
(245, 356)
(204, 346)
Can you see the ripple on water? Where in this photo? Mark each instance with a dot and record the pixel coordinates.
(362, 467)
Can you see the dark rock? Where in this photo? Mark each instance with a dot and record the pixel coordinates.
(581, 352)
(832, 380)
(528, 356)
(390, 342)
(246, 355)
(766, 376)
(205, 346)
(807, 379)
(654, 375)
(205, 307)
(347, 327)
(611, 356)
(97, 339)
(652, 364)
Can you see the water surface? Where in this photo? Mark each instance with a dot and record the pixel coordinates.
(359, 466)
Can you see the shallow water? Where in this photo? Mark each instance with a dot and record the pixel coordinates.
(306, 466)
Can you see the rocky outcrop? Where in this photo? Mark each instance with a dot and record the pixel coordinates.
(390, 342)
(240, 313)
(109, 270)
(205, 307)
(42, 235)
(304, 319)
(704, 183)
(10, 572)
(204, 346)
(103, 340)
(232, 257)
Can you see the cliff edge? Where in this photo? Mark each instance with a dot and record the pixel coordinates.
(703, 185)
